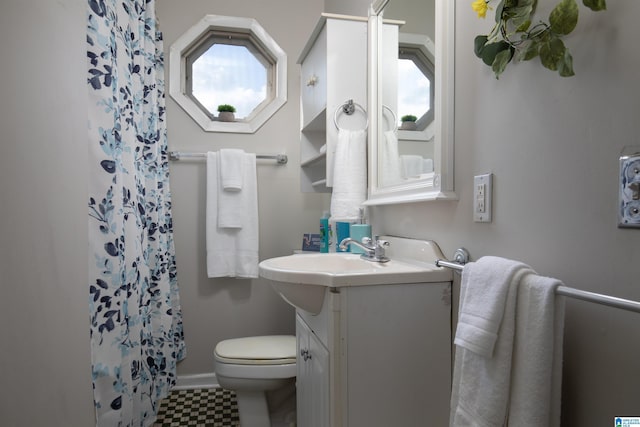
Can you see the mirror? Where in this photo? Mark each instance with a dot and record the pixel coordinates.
(411, 165)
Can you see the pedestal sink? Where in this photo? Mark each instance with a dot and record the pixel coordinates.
(302, 279)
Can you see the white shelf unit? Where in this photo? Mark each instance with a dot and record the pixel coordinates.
(333, 70)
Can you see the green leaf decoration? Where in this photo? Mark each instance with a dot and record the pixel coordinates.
(524, 27)
(564, 17)
(499, 10)
(520, 15)
(529, 51)
(478, 45)
(565, 66)
(491, 50)
(551, 53)
(500, 62)
(518, 35)
(595, 5)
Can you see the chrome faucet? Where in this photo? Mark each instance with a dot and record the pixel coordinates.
(373, 249)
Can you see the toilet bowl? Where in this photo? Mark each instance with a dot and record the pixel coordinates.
(253, 366)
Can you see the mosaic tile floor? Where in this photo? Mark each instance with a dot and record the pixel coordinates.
(213, 407)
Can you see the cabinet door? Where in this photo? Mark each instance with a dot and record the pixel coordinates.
(313, 378)
(318, 365)
(313, 80)
(398, 336)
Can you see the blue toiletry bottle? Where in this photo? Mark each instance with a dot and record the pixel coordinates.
(358, 231)
(343, 230)
(325, 233)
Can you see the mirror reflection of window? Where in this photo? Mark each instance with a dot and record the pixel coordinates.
(415, 83)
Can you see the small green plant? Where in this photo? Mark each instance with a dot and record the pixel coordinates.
(408, 118)
(227, 108)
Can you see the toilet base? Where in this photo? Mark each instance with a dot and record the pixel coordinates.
(253, 409)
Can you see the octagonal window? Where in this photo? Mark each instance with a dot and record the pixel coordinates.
(228, 61)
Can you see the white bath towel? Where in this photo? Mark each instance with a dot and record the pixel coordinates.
(427, 165)
(484, 340)
(518, 383)
(411, 164)
(389, 164)
(232, 252)
(349, 175)
(537, 357)
(231, 164)
(232, 201)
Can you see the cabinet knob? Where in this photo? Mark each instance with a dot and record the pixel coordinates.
(312, 81)
(305, 354)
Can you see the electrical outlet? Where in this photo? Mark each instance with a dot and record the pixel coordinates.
(482, 197)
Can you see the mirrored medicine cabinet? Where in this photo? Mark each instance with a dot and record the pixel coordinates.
(411, 164)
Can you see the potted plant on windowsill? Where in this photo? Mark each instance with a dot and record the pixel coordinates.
(408, 122)
(225, 113)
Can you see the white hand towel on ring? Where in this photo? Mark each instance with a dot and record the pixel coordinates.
(349, 175)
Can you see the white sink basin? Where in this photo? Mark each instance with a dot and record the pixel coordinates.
(302, 279)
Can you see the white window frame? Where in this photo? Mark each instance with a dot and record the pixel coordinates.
(198, 35)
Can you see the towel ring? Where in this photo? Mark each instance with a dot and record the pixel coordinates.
(394, 125)
(349, 107)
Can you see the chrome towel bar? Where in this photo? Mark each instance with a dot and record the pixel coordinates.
(280, 159)
(608, 300)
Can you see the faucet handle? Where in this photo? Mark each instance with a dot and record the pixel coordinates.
(380, 243)
(379, 249)
(367, 240)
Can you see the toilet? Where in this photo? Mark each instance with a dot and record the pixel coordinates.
(253, 366)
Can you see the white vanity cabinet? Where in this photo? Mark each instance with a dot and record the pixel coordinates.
(376, 355)
(333, 69)
(312, 378)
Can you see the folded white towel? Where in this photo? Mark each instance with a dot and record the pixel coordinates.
(482, 371)
(483, 293)
(349, 175)
(389, 171)
(537, 357)
(519, 383)
(427, 165)
(232, 252)
(411, 165)
(231, 164)
(232, 200)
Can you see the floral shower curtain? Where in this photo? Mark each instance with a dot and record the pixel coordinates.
(136, 320)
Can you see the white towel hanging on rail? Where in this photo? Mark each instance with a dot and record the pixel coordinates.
(232, 252)
(509, 347)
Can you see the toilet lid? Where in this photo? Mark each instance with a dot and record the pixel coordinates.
(264, 350)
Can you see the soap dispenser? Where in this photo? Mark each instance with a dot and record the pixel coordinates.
(358, 231)
(325, 232)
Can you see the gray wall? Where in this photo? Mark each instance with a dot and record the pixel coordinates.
(553, 145)
(44, 312)
(217, 309)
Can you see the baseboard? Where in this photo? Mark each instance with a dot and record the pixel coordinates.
(194, 381)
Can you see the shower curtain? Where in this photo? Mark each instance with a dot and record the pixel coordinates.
(136, 320)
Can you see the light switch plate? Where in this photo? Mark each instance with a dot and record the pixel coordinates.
(482, 194)
(629, 188)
